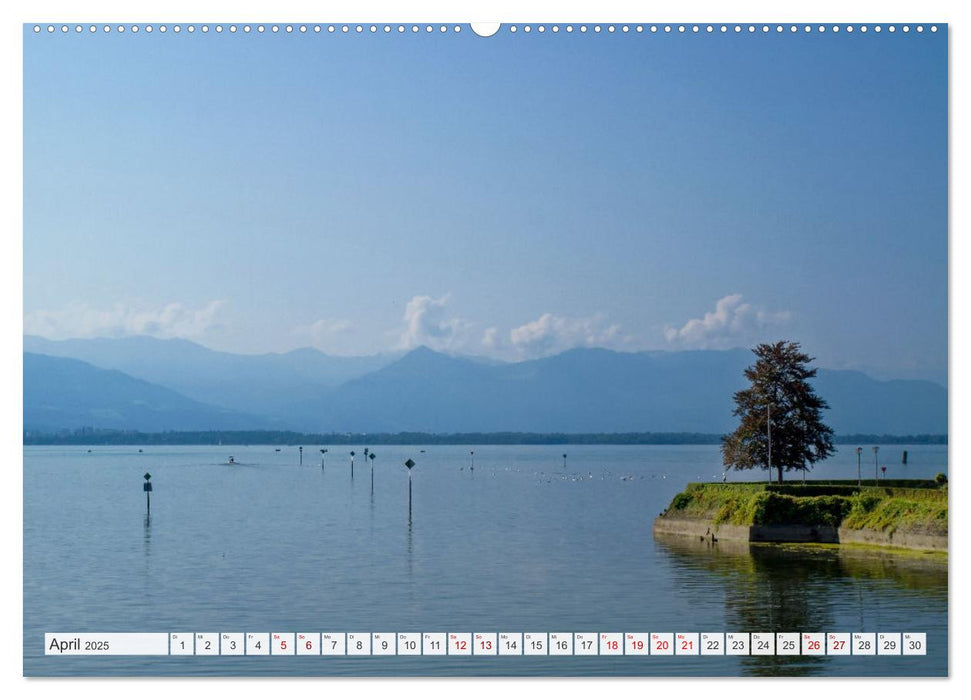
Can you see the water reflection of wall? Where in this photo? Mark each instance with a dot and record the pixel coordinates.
(781, 588)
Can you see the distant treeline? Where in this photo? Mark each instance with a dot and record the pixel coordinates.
(867, 439)
(94, 436)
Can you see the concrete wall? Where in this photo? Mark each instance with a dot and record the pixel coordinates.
(898, 538)
(793, 533)
(692, 527)
(699, 527)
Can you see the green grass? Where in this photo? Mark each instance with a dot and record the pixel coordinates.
(871, 511)
(836, 505)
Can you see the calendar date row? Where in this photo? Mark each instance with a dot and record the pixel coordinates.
(489, 644)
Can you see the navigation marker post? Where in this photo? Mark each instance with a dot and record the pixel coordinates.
(301, 455)
(409, 464)
(352, 465)
(564, 460)
(147, 488)
(322, 453)
(371, 457)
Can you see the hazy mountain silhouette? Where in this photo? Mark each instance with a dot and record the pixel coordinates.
(597, 390)
(267, 384)
(581, 390)
(63, 393)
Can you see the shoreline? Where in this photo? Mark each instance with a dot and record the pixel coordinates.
(714, 512)
(696, 528)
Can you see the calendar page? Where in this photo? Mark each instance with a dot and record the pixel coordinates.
(514, 349)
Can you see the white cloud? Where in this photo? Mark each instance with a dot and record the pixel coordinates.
(490, 338)
(335, 336)
(326, 327)
(732, 322)
(551, 333)
(427, 323)
(78, 320)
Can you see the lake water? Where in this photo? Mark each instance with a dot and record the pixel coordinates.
(521, 543)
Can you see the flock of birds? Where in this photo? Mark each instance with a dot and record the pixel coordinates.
(548, 477)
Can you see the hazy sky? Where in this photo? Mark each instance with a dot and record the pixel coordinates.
(512, 196)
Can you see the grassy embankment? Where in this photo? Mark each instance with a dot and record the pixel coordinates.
(911, 506)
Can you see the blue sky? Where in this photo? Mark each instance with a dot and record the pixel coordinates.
(511, 196)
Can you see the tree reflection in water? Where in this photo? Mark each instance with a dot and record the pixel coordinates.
(799, 588)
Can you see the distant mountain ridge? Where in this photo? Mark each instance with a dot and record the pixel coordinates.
(63, 393)
(266, 384)
(585, 390)
(597, 390)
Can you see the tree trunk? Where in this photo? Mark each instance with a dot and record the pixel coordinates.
(779, 467)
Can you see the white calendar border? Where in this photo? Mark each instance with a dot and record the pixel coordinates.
(11, 646)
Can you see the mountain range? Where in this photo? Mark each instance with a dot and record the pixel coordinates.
(265, 385)
(148, 384)
(65, 393)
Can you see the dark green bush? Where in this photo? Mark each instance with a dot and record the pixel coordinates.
(811, 489)
(681, 501)
(777, 509)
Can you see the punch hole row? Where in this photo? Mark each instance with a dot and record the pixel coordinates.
(713, 29)
(445, 29)
(254, 28)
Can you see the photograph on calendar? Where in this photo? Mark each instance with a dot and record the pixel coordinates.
(485, 350)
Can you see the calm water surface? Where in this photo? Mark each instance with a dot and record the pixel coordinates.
(521, 543)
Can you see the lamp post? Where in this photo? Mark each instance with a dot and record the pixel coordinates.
(876, 477)
(859, 466)
(768, 433)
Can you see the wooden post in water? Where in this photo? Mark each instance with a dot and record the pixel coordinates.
(147, 488)
(371, 457)
(472, 459)
(322, 453)
(301, 455)
(352, 465)
(564, 460)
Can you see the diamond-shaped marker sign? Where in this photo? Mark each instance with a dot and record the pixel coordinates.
(147, 476)
(409, 464)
